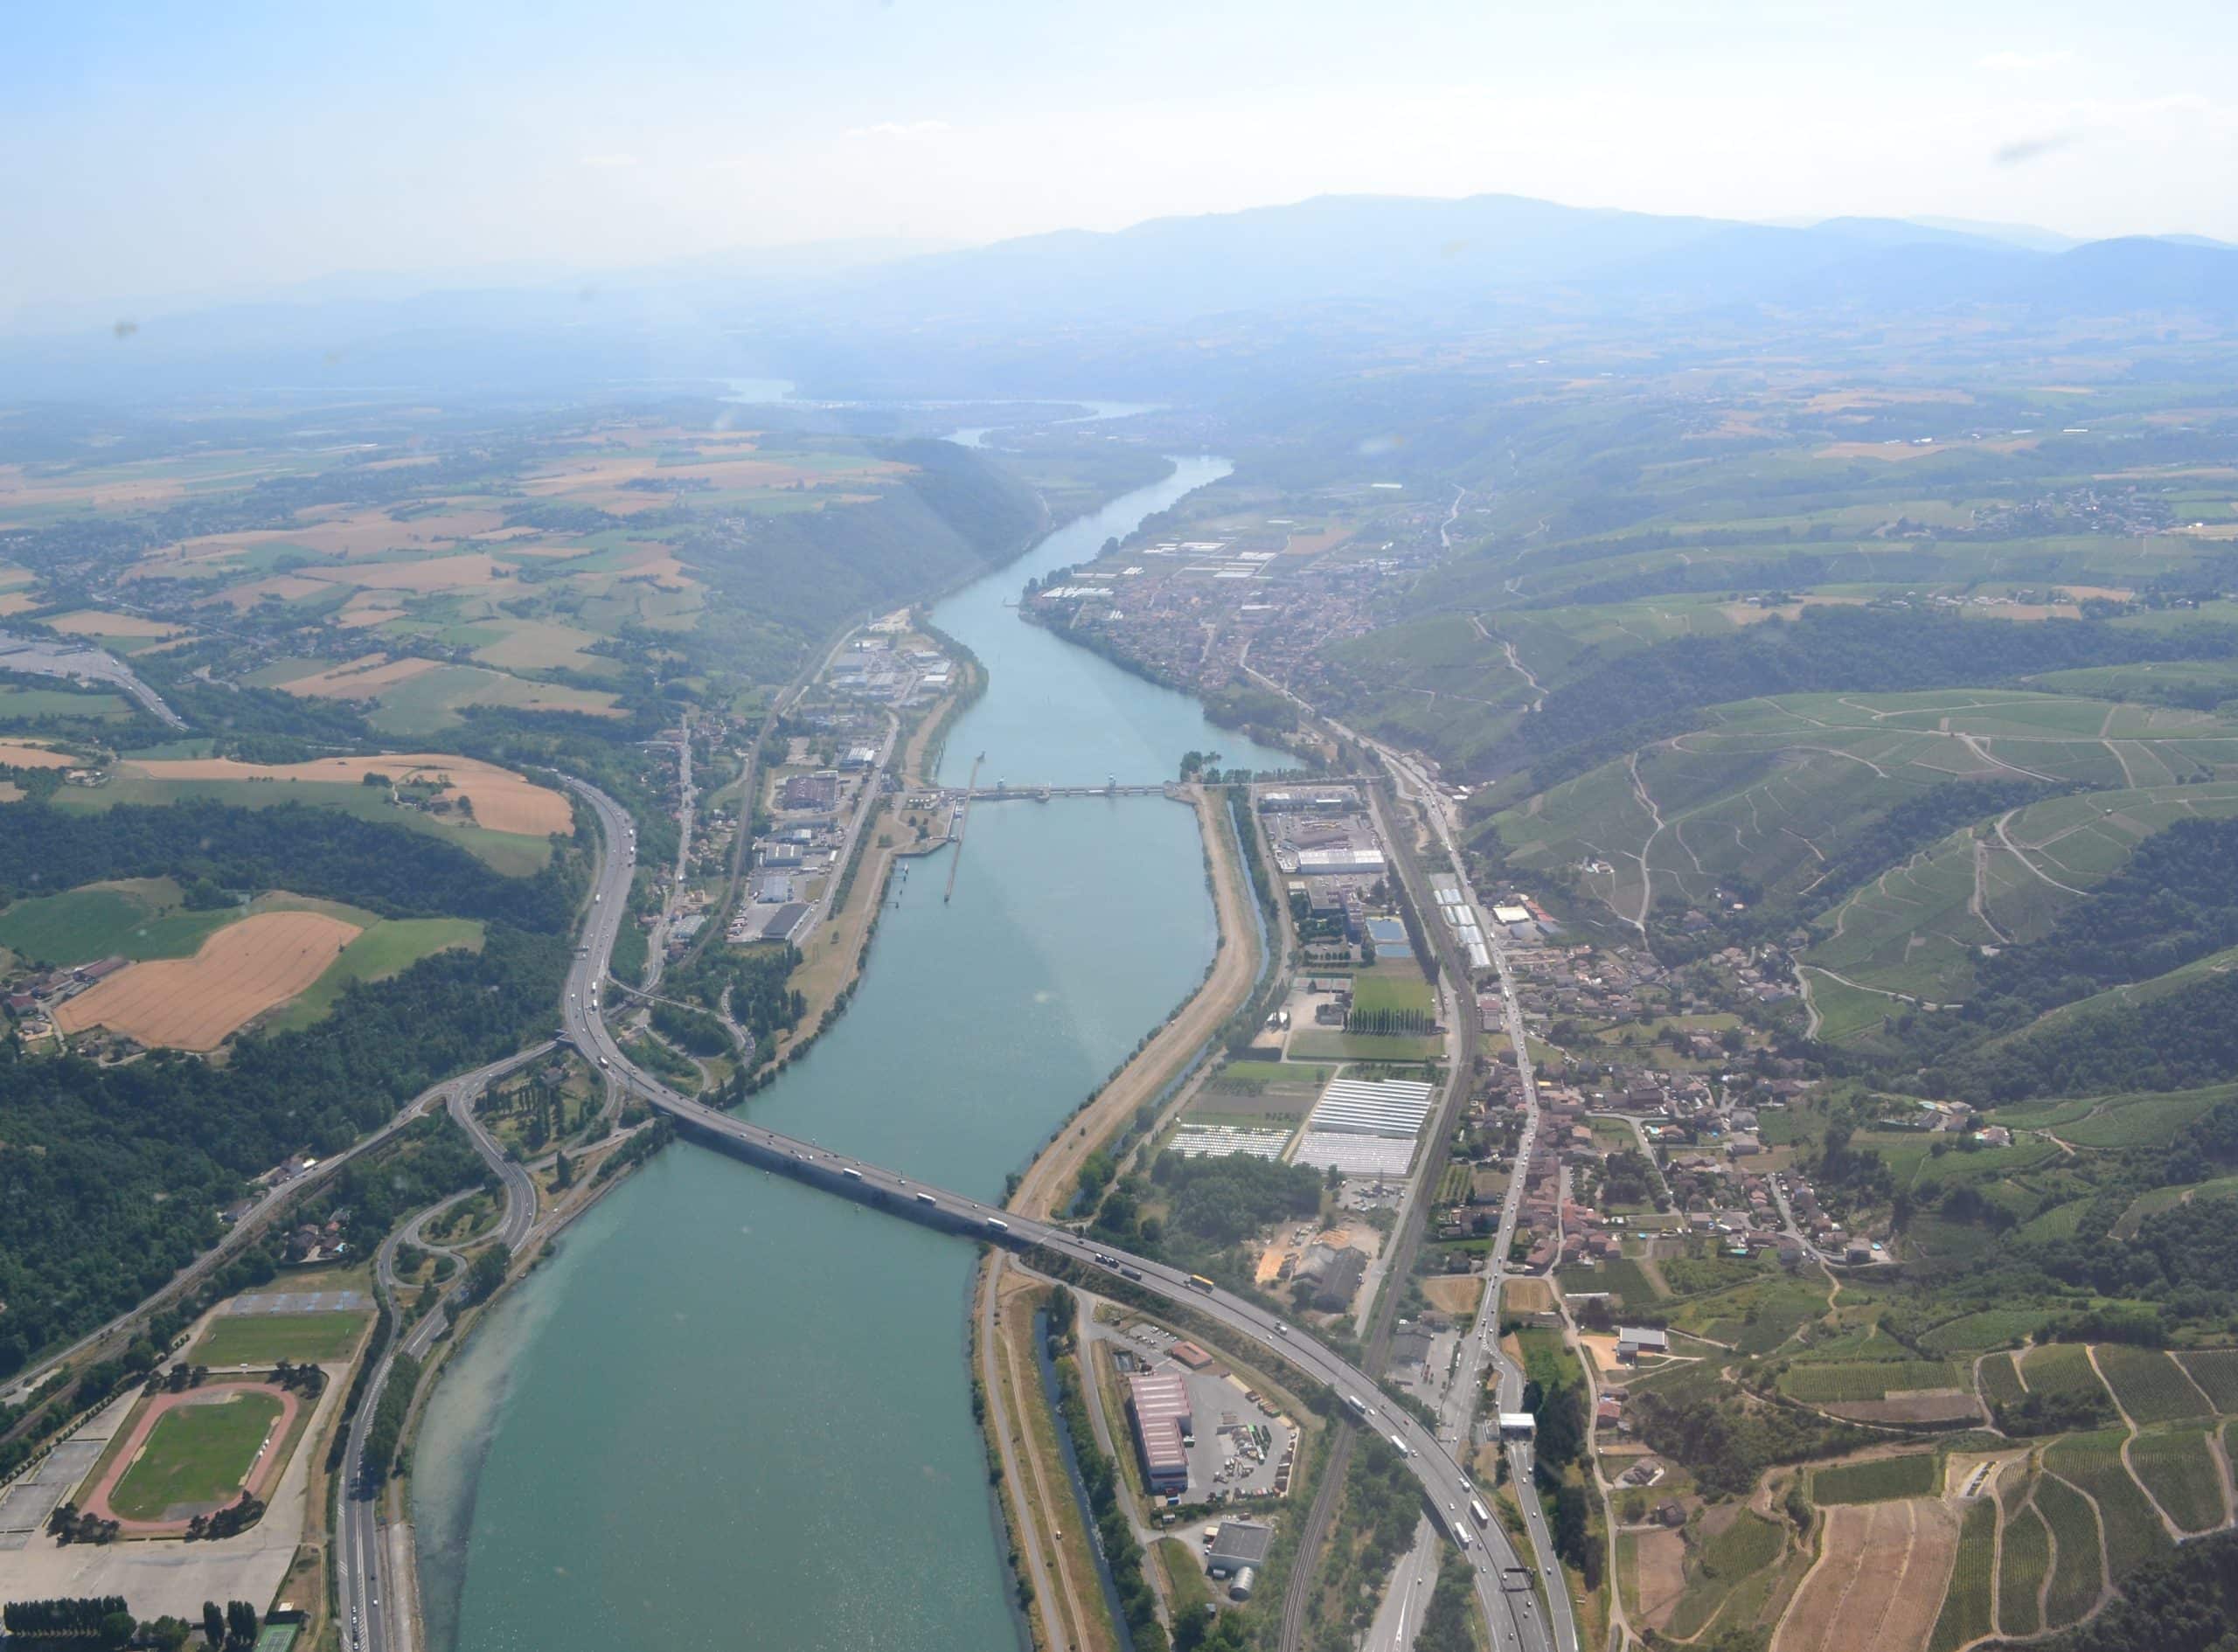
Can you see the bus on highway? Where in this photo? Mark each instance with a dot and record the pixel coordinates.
(1198, 1283)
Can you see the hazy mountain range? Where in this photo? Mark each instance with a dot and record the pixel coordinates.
(1368, 262)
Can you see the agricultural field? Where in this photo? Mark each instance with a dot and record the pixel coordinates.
(2149, 1385)
(2000, 1381)
(1728, 1572)
(1969, 1605)
(2024, 1564)
(194, 1002)
(133, 918)
(2060, 1368)
(1327, 1044)
(2178, 1468)
(1883, 1572)
(1393, 989)
(387, 948)
(2092, 1463)
(2078, 1572)
(1879, 1479)
(2215, 1371)
(1772, 789)
(1620, 1276)
(1867, 1380)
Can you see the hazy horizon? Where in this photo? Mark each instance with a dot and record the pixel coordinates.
(162, 152)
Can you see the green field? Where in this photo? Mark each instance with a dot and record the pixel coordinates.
(2145, 1120)
(2093, 1462)
(256, 1339)
(2000, 1382)
(140, 917)
(1718, 1571)
(2151, 1387)
(2060, 1368)
(386, 948)
(1992, 1328)
(25, 704)
(1326, 1043)
(197, 1455)
(2178, 1468)
(2076, 1567)
(2027, 1556)
(1881, 1480)
(2167, 1199)
(1966, 1605)
(2216, 1370)
(1620, 1275)
(1394, 988)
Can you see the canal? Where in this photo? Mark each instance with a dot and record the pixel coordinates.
(735, 1412)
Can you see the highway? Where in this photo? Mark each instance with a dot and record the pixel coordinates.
(1513, 1616)
(364, 1575)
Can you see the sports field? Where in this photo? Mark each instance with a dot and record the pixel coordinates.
(253, 1339)
(199, 1452)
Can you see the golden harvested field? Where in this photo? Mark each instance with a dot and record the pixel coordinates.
(16, 602)
(191, 1003)
(23, 755)
(369, 608)
(1882, 1571)
(597, 479)
(334, 530)
(1527, 1295)
(1456, 1294)
(503, 801)
(362, 678)
(534, 646)
(93, 623)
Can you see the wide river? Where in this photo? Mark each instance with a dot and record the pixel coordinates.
(734, 1412)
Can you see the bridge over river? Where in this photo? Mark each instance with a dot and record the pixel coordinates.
(1503, 1584)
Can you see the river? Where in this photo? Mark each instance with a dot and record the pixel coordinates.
(732, 1412)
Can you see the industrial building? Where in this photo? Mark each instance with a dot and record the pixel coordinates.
(1157, 1404)
(1632, 1341)
(1238, 1546)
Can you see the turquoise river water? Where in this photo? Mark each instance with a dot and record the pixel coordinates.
(733, 1413)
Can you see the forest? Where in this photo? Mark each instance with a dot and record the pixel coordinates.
(111, 1177)
(388, 869)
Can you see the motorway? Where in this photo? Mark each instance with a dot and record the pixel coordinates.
(363, 1574)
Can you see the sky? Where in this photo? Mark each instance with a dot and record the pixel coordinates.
(176, 151)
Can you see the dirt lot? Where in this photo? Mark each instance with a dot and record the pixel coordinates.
(1455, 1292)
(1658, 1575)
(1924, 1406)
(1527, 1296)
(191, 1003)
(1880, 1580)
(503, 800)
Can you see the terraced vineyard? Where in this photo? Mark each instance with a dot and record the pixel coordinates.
(2178, 1468)
(2151, 1387)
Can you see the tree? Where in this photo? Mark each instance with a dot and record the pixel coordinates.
(240, 1623)
(487, 1272)
(214, 1625)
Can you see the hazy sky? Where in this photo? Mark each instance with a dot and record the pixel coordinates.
(179, 147)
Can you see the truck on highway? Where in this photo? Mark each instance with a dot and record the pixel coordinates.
(996, 1225)
(924, 1198)
(1399, 1445)
(1477, 1512)
(850, 1173)
(1129, 1273)
(1357, 1404)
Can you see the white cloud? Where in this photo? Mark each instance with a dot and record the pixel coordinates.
(611, 162)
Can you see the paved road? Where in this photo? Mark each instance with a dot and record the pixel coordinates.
(375, 1616)
(44, 657)
(1513, 1617)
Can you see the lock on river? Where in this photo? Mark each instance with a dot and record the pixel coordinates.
(735, 1412)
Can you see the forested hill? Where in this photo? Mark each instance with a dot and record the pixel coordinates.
(388, 869)
(952, 517)
(1828, 649)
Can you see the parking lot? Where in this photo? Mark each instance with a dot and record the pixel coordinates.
(1243, 1445)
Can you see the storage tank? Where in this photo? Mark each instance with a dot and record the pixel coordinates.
(1240, 1588)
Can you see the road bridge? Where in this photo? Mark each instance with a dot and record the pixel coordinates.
(1511, 1613)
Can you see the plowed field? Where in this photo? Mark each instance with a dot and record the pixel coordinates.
(503, 800)
(1883, 1570)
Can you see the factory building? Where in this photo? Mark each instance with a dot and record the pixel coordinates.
(1158, 1404)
